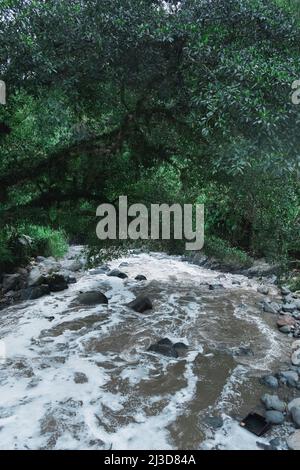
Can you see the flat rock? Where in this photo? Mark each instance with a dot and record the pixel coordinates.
(141, 304)
(164, 349)
(289, 308)
(92, 298)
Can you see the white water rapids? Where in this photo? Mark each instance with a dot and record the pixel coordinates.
(127, 397)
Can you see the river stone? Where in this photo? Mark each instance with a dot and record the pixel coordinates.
(180, 347)
(94, 272)
(271, 307)
(92, 298)
(286, 320)
(296, 358)
(296, 345)
(293, 441)
(289, 308)
(272, 402)
(270, 381)
(295, 412)
(274, 417)
(263, 290)
(165, 341)
(294, 403)
(141, 304)
(56, 282)
(140, 277)
(289, 377)
(285, 329)
(117, 273)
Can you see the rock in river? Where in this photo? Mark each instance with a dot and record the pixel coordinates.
(92, 298)
(164, 347)
(140, 277)
(141, 304)
(274, 417)
(117, 273)
(270, 381)
(296, 358)
(293, 441)
(272, 402)
(295, 413)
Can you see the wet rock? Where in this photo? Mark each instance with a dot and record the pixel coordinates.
(72, 265)
(141, 304)
(285, 329)
(296, 345)
(11, 282)
(285, 291)
(117, 273)
(274, 417)
(215, 286)
(214, 422)
(296, 358)
(92, 298)
(164, 349)
(271, 307)
(33, 293)
(276, 442)
(294, 403)
(35, 278)
(140, 277)
(263, 290)
(272, 402)
(270, 381)
(56, 283)
(286, 320)
(289, 377)
(80, 378)
(97, 271)
(293, 441)
(289, 308)
(124, 264)
(180, 347)
(295, 413)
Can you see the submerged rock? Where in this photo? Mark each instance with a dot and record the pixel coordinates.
(141, 304)
(164, 348)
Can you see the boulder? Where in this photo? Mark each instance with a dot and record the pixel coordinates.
(164, 347)
(32, 293)
(140, 277)
(295, 413)
(117, 273)
(293, 441)
(92, 298)
(35, 278)
(80, 378)
(296, 358)
(294, 403)
(11, 282)
(141, 304)
(286, 320)
(285, 291)
(180, 347)
(289, 307)
(56, 282)
(296, 345)
(263, 290)
(272, 402)
(289, 377)
(270, 381)
(271, 307)
(274, 417)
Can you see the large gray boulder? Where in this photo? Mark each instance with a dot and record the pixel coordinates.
(272, 402)
(33, 293)
(36, 277)
(295, 413)
(11, 282)
(274, 417)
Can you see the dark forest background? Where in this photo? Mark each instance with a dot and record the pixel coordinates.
(186, 103)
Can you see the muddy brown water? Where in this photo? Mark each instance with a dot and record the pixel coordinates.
(131, 398)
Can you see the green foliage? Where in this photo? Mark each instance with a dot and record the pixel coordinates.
(46, 241)
(224, 253)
